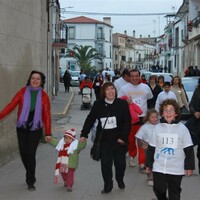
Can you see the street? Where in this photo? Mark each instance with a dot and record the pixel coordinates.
(88, 179)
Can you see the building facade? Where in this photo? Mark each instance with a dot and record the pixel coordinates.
(97, 34)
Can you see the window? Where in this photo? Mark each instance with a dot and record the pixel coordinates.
(71, 32)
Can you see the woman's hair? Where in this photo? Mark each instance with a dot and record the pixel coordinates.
(154, 77)
(161, 77)
(43, 78)
(174, 103)
(148, 114)
(179, 81)
(104, 87)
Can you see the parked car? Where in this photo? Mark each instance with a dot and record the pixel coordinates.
(75, 78)
(167, 76)
(189, 84)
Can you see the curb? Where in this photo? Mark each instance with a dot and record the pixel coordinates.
(67, 105)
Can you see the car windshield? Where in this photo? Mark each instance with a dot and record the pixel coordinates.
(75, 73)
(190, 85)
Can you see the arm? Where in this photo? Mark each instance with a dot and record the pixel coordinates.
(17, 99)
(150, 157)
(141, 143)
(89, 122)
(46, 115)
(189, 160)
(126, 122)
(183, 96)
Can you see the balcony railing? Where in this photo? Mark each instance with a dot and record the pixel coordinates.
(100, 36)
(60, 43)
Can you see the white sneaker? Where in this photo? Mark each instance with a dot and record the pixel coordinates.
(131, 162)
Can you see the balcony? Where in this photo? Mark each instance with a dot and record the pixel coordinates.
(59, 43)
(195, 33)
(100, 36)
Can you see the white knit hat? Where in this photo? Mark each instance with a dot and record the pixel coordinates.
(70, 133)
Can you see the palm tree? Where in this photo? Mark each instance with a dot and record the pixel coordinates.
(84, 56)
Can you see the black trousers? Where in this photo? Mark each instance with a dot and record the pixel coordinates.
(28, 143)
(164, 182)
(109, 156)
(198, 156)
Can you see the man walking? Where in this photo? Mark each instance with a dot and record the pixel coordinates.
(138, 93)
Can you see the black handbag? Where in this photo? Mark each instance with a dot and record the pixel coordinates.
(95, 151)
(193, 125)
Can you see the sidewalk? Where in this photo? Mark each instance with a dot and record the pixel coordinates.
(61, 102)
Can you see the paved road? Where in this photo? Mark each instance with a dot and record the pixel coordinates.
(88, 180)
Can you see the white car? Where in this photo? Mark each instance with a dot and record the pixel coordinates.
(190, 84)
(167, 76)
(75, 78)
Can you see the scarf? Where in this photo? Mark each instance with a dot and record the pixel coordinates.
(37, 119)
(73, 146)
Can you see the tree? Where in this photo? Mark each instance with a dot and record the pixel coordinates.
(84, 56)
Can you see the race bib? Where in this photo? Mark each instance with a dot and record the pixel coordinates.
(168, 140)
(137, 101)
(110, 124)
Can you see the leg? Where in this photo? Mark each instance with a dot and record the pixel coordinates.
(160, 185)
(22, 136)
(174, 186)
(120, 165)
(132, 149)
(198, 156)
(106, 168)
(70, 178)
(32, 144)
(64, 177)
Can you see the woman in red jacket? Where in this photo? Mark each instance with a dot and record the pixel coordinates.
(33, 113)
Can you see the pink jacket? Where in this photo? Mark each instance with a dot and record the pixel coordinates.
(135, 110)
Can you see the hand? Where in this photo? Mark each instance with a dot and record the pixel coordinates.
(56, 180)
(48, 138)
(63, 168)
(188, 172)
(121, 141)
(148, 170)
(82, 139)
(129, 100)
(197, 115)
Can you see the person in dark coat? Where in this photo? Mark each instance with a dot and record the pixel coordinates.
(67, 80)
(194, 106)
(155, 88)
(114, 138)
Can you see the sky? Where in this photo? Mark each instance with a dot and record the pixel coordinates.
(152, 25)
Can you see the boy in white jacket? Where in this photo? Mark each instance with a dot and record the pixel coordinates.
(170, 154)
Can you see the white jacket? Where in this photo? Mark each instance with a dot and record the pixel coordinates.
(169, 141)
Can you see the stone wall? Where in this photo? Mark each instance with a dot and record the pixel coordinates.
(23, 47)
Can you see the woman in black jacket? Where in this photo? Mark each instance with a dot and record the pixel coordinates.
(115, 134)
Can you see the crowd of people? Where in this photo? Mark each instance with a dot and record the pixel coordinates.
(161, 142)
(132, 116)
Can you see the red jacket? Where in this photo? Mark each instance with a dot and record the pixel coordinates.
(18, 100)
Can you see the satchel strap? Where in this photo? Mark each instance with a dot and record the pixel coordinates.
(100, 136)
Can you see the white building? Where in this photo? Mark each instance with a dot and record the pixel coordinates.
(94, 33)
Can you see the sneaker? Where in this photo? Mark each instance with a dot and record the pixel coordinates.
(31, 188)
(131, 162)
(69, 189)
(142, 169)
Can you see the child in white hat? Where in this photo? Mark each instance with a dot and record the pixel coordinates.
(68, 156)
